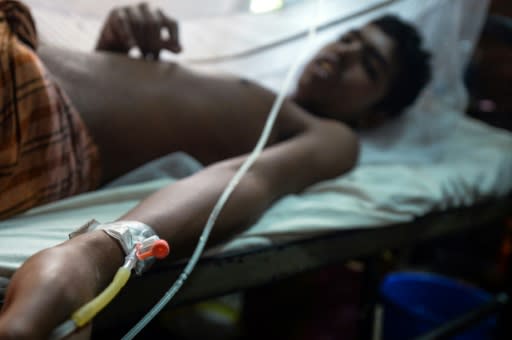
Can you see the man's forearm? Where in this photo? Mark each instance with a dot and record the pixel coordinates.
(179, 212)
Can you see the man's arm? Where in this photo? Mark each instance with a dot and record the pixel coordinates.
(178, 212)
(57, 281)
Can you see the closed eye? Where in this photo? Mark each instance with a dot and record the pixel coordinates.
(369, 68)
(347, 37)
(370, 56)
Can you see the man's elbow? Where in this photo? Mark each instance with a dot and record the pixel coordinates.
(353, 148)
(341, 150)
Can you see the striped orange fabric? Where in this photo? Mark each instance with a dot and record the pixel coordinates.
(46, 152)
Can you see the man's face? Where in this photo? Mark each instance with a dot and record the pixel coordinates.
(348, 77)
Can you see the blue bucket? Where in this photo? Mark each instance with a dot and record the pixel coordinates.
(415, 303)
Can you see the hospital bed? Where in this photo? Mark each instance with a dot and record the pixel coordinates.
(431, 173)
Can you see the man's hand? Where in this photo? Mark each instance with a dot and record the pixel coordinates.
(139, 26)
(54, 283)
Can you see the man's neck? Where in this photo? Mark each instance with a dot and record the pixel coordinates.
(309, 106)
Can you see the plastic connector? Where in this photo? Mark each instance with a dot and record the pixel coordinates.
(152, 247)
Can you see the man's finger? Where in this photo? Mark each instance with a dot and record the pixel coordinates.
(123, 29)
(135, 20)
(171, 25)
(151, 44)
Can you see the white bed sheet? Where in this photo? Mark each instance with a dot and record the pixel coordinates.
(433, 159)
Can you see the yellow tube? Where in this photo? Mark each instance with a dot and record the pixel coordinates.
(88, 311)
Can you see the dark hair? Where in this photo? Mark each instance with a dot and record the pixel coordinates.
(414, 64)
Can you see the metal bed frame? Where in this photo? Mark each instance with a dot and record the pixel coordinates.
(236, 271)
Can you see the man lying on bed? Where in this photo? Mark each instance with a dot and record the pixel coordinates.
(133, 111)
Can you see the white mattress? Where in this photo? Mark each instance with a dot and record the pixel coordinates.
(432, 159)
